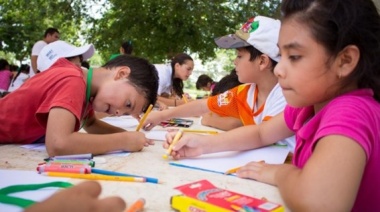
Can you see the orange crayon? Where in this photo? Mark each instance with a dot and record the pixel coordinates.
(137, 206)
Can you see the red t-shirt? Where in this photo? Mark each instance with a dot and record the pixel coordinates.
(24, 112)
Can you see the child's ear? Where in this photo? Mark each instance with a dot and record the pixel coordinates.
(264, 60)
(347, 60)
(122, 72)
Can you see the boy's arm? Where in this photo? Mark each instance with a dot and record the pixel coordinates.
(61, 138)
(96, 126)
(223, 123)
(193, 108)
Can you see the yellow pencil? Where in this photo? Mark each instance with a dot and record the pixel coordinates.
(201, 131)
(175, 140)
(184, 98)
(144, 117)
(234, 170)
(94, 177)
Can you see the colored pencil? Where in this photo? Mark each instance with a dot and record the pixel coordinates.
(144, 117)
(112, 173)
(184, 98)
(94, 177)
(201, 131)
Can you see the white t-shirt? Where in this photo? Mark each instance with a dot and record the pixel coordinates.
(165, 78)
(37, 47)
(22, 77)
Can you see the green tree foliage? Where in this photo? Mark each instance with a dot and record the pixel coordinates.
(23, 22)
(159, 29)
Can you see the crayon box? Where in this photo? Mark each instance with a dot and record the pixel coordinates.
(203, 196)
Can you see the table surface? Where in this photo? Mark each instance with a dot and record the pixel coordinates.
(148, 162)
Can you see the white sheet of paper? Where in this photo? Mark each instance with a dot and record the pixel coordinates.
(130, 123)
(17, 177)
(125, 122)
(223, 161)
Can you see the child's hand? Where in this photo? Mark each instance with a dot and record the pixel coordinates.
(83, 197)
(259, 171)
(135, 141)
(161, 106)
(154, 118)
(189, 145)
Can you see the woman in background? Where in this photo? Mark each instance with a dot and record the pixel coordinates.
(21, 76)
(170, 91)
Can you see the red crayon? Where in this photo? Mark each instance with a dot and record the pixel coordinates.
(68, 168)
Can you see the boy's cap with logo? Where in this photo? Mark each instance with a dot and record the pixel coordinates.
(260, 32)
(61, 49)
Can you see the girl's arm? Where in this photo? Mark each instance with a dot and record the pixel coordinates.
(61, 139)
(329, 181)
(239, 139)
(171, 102)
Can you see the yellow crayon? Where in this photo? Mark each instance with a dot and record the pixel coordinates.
(175, 141)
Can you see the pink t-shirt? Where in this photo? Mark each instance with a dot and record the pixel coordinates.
(355, 115)
(5, 79)
(25, 111)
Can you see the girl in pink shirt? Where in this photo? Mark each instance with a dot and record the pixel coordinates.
(5, 75)
(329, 73)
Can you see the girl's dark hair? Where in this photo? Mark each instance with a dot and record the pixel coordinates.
(178, 83)
(143, 76)
(336, 24)
(23, 69)
(127, 46)
(226, 83)
(3, 64)
(256, 53)
(203, 80)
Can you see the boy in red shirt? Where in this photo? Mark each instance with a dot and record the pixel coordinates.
(52, 106)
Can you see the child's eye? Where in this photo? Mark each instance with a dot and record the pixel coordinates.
(294, 57)
(128, 105)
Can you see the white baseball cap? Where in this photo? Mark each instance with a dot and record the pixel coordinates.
(260, 32)
(61, 49)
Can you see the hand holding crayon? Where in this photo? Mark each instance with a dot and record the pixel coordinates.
(174, 142)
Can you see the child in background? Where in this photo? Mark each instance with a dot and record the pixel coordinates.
(259, 98)
(5, 75)
(125, 48)
(21, 76)
(205, 83)
(223, 122)
(64, 97)
(334, 43)
(170, 90)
